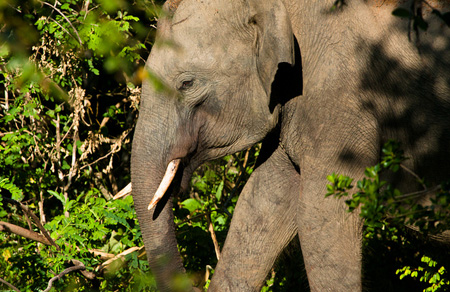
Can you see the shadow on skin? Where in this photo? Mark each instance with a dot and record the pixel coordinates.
(287, 84)
(412, 103)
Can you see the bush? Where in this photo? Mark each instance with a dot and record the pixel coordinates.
(69, 100)
(389, 216)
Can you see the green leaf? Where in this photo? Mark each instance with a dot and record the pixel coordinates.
(191, 204)
(16, 193)
(219, 191)
(65, 6)
(116, 218)
(130, 17)
(59, 196)
(65, 165)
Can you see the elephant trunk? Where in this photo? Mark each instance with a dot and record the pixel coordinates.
(155, 148)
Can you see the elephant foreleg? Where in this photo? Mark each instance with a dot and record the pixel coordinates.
(330, 237)
(264, 222)
(331, 247)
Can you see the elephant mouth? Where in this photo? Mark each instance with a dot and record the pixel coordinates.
(177, 176)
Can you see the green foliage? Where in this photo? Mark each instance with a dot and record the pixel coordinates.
(16, 193)
(204, 217)
(381, 203)
(388, 213)
(431, 273)
(64, 137)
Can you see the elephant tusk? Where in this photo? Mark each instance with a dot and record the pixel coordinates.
(165, 183)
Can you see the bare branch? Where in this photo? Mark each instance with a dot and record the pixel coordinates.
(86, 8)
(119, 256)
(413, 174)
(115, 148)
(41, 197)
(6, 99)
(85, 273)
(74, 160)
(65, 17)
(124, 192)
(97, 160)
(35, 219)
(9, 285)
(213, 236)
(5, 226)
(103, 255)
(62, 274)
(418, 194)
(65, 136)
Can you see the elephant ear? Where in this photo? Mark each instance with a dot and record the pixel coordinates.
(274, 42)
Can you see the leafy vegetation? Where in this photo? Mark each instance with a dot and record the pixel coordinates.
(431, 274)
(389, 215)
(69, 100)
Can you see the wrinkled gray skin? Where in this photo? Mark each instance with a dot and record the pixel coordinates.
(234, 74)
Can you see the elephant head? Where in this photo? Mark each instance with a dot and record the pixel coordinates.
(213, 97)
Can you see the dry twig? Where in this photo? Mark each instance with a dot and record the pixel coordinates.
(9, 285)
(213, 236)
(36, 221)
(65, 17)
(63, 273)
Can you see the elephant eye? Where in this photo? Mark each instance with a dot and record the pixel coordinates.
(186, 84)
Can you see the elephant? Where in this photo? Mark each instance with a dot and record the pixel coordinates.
(322, 91)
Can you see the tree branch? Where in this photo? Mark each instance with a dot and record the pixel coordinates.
(124, 192)
(213, 237)
(117, 105)
(62, 274)
(119, 256)
(5, 226)
(63, 28)
(9, 285)
(35, 219)
(65, 17)
(85, 273)
(414, 175)
(103, 255)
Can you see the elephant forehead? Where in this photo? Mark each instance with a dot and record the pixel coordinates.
(200, 25)
(200, 51)
(168, 62)
(207, 12)
(203, 35)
